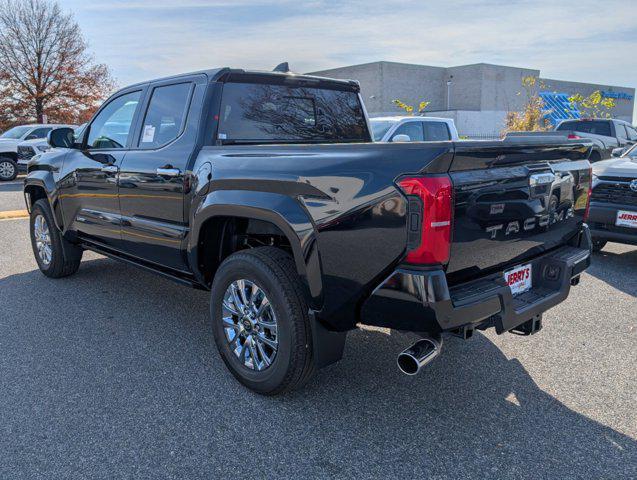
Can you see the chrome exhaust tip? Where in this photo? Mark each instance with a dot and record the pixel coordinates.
(421, 353)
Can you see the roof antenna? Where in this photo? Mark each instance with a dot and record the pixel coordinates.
(282, 67)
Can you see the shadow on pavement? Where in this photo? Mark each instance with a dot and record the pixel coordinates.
(14, 186)
(619, 270)
(113, 372)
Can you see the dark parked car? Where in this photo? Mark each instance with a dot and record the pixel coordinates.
(613, 207)
(607, 134)
(267, 190)
(609, 137)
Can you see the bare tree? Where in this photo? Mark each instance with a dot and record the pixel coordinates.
(45, 67)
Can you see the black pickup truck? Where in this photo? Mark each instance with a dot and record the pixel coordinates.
(266, 189)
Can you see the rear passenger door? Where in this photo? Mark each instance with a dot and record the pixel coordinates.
(151, 178)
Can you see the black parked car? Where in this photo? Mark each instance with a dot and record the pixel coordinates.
(266, 189)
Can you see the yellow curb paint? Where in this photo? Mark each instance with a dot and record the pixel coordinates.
(11, 214)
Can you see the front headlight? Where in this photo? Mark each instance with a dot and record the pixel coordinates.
(43, 148)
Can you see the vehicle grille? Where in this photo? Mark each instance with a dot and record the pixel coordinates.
(618, 192)
(25, 153)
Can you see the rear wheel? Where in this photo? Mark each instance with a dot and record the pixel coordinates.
(56, 257)
(260, 321)
(8, 169)
(598, 244)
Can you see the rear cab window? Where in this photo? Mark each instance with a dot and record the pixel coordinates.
(256, 113)
(595, 127)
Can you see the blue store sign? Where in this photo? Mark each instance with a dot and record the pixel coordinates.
(618, 95)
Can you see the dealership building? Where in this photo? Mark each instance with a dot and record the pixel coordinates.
(477, 97)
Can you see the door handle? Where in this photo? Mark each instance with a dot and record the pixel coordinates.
(168, 172)
(110, 169)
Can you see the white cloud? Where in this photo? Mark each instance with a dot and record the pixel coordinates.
(573, 40)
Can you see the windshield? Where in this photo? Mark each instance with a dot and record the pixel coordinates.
(16, 132)
(380, 127)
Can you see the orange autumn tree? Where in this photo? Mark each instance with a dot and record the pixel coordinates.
(45, 66)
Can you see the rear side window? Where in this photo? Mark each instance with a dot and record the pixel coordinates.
(262, 113)
(620, 130)
(436, 131)
(112, 125)
(165, 115)
(594, 127)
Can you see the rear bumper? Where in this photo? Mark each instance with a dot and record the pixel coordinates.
(421, 301)
(602, 219)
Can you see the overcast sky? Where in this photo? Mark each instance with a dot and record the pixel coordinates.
(584, 40)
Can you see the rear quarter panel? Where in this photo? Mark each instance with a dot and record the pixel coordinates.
(346, 210)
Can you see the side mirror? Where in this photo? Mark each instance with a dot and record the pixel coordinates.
(400, 138)
(617, 152)
(31, 137)
(61, 138)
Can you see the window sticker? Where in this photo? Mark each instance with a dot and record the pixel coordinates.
(149, 134)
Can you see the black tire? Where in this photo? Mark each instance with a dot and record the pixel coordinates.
(274, 272)
(65, 257)
(8, 169)
(598, 244)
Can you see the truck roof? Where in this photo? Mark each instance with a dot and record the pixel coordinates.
(216, 74)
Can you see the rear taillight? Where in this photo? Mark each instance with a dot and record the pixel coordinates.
(590, 192)
(430, 212)
(572, 136)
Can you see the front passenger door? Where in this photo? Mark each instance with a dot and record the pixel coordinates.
(89, 190)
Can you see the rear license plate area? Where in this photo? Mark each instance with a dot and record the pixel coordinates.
(519, 279)
(626, 219)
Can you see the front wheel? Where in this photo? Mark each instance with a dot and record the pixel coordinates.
(8, 169)
(56, 256)
(261, 320)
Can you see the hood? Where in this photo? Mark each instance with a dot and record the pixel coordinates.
(616, 167)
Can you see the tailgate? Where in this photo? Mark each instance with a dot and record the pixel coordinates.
(514, 201)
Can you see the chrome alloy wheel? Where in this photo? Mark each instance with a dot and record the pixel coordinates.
(43, 239)
(249, 324)
(7, 170)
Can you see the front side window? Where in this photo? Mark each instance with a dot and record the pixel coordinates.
(264, 113)
(632, 133)
(412, 129)
(112, 125)
(165, 115)
(436, 131)
(39, 133)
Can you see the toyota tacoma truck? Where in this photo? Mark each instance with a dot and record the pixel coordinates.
(613, 208)
(265, 188)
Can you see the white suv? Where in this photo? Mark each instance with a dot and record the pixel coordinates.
(9, 141)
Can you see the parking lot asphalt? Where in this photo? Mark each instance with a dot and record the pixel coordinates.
(113, 373)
